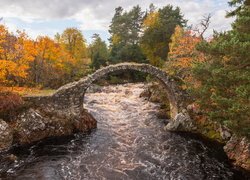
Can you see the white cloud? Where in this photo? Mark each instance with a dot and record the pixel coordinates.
(219, 22)
(89, 21)
(97, 14)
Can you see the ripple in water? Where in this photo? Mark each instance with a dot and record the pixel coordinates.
(129, 143)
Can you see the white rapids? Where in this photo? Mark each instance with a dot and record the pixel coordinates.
(129, 143)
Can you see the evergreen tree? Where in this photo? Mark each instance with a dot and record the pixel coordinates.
(98, 52)
(125, 32)
(158, 29)
(224, 92)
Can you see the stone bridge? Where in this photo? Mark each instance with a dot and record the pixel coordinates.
(70, 96)
(63, 113)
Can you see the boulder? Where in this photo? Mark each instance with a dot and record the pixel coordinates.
(163, 114)
(85, 123)
(238, 150)
(224, 133)
(6, 135)
(36, 124)
(181, 122)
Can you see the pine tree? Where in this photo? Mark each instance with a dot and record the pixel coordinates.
(98, 52)
(224, 93)
(125, 32)
(159, 25)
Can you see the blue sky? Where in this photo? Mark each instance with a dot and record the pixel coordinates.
(47, 17)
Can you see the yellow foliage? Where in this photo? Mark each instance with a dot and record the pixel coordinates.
(27, 61)
(183, 51)
(9, 68)
(115, 39)
(152, 20)
(3, 34)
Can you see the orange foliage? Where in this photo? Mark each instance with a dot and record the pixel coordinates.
(10, 68)
(183, 54)
(16, 52)
(3, 34)
(44, 61)
(182, 49)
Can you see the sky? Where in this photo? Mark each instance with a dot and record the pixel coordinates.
(47, 17)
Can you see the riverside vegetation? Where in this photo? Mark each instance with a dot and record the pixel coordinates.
(215, 71)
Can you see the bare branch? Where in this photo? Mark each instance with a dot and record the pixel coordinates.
(205, 24)
(202, 27)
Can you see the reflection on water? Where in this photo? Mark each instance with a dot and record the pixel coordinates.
(129, 143)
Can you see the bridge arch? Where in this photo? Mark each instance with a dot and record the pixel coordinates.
(70, 96)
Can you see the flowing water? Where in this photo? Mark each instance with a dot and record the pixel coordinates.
(129, 143)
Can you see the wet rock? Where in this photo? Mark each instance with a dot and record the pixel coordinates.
(155, 92)
(6, 160)
(94, 89)
(224, 133)
(145, 93)
(162, 114)
(11, 157)
(6, 135)
(34, 124)
(238, 150)
(181, 122)
(85, 123)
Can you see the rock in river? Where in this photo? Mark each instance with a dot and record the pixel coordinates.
(6, 135)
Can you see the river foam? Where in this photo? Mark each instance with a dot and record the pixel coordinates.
(129, 143)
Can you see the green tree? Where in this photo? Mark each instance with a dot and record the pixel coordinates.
(73, 42)
(224, 92)
(98, 52)
(158, 28)
(125, 32)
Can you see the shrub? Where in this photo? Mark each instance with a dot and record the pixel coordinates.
(9, 104)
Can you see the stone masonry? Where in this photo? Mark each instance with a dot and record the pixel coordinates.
(69, 98)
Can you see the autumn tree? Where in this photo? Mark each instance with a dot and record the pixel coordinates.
(73, 42)
(42, 70)
(158, 27)
(183, 54)
(53, 64)
(42, 62)
(16, 53)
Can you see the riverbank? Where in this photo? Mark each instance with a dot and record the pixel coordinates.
(237, 148)
(31, 118)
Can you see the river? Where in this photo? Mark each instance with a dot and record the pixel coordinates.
(129, 143)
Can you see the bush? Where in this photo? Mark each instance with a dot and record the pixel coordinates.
(9, 104)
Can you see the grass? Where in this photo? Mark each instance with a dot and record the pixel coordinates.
(27, 91)
(41, 92)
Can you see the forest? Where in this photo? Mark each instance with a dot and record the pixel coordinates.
(215, 70)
